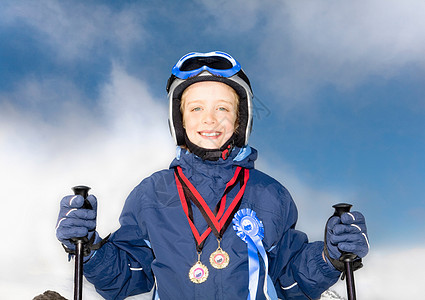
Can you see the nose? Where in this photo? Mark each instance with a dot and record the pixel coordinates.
(209, 117)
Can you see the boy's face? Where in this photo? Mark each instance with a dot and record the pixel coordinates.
(209, 111)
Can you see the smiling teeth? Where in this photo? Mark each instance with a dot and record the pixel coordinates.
(210, 134)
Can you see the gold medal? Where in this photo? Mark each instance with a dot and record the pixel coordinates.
(219, 259)
(199, 272)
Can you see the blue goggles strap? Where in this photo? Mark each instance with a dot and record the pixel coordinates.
(223, 72)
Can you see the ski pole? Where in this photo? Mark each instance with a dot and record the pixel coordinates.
(79, 246)
(347, 257)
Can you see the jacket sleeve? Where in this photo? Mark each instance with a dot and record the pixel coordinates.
(122, 267)
(297, 266)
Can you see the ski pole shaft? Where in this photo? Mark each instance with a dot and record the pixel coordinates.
(78, 272)
(351, 288)
(347, 257)
(79, 247)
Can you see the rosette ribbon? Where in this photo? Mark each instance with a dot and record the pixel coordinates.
(251, 230)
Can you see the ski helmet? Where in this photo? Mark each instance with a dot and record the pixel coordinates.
(212, 66)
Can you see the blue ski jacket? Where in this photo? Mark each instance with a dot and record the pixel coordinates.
(155, 247)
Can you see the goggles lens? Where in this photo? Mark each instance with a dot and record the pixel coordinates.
(217, 63)
(214, 62)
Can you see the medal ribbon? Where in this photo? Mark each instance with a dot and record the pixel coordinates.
(217, 221)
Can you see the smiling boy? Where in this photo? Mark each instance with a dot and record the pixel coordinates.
(211, 226)
(209, 113)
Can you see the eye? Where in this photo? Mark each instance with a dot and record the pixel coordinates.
(195, 109)
(222, 108)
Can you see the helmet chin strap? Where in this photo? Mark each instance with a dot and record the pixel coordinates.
(211, 154)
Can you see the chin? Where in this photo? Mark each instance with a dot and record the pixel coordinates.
(210, 145)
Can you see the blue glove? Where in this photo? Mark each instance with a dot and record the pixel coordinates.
(74, 221)
(347, 233)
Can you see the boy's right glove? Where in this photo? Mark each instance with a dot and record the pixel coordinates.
(77, 222)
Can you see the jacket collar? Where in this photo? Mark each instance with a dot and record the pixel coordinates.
(192, 164)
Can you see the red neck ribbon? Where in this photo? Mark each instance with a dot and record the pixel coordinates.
(219, 220)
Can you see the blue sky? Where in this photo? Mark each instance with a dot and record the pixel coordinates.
(339, 87)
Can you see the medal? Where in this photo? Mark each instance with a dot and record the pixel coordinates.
(199, 272)
(217, 220)
(219, 259)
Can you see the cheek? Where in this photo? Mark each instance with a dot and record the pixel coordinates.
(232, 121)
(188, 123)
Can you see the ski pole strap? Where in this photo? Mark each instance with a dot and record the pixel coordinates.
(339, 264)
(89, 246)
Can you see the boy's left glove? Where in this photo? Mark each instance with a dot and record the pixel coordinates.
(347, 233)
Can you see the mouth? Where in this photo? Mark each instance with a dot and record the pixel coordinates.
(209, 134)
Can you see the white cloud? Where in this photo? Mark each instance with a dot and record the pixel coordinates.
(389, 274)
(240, 16)
(305, 45)
(110, 148)
(343, 44)
(78, 30)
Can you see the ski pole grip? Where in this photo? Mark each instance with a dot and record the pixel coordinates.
(341, 208)
(83, 190)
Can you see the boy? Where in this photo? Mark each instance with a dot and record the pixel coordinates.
(211, 226)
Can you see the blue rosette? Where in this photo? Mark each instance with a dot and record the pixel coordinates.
(246, 224)
(251, 230)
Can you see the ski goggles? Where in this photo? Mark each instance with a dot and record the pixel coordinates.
(217, 63)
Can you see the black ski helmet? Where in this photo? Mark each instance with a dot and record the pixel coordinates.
(212, 66)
